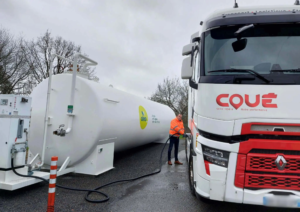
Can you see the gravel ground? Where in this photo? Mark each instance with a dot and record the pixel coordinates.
(166, 191)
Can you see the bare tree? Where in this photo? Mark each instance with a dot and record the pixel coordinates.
(4, 82)
(173, 93)
(13, 69)
(38, 54)
(25, 64)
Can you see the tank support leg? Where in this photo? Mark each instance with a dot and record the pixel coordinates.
(64, 170)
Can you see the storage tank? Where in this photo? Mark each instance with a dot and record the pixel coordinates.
(102, 114)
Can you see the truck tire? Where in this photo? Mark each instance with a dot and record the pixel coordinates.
(186, 155)
(191, 176)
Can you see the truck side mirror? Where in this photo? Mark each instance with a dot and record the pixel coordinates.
(187, 50)
(186, 69)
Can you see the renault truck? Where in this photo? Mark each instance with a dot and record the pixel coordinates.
(243, 70)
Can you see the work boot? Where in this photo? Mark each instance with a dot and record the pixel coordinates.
(178, 163)
(169, 162)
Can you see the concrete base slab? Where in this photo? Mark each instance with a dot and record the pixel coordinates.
(17, 182)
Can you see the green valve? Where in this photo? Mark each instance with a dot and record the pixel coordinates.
(70, 108)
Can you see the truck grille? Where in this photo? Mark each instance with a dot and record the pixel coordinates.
(262, 171)
(272, 181)
(266, 163)
(269, 163)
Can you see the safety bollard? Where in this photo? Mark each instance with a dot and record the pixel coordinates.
(52, 183)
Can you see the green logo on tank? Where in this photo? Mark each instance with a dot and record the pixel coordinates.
(143, 117)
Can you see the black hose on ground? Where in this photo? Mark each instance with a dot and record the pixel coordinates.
(63, 187)
(96, 189)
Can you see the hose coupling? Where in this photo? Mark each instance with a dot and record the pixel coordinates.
(60, 131)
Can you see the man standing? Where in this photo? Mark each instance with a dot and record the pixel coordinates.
(176, 129)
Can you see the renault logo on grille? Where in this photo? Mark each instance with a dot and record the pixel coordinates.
(280, 162)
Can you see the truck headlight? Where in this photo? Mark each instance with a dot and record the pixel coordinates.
(215, 156)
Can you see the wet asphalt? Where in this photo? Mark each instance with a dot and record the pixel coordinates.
(166, 191)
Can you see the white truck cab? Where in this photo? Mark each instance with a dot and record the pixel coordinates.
(244, 76)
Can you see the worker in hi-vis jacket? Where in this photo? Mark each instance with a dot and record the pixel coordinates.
(176, 129)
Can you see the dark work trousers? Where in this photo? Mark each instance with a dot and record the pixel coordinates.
(173, 141)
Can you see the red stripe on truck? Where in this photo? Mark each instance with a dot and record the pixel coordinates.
(207, 167)
(246, 146)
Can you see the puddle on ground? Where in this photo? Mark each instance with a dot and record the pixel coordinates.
(137, 187)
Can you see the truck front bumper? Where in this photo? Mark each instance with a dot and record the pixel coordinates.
(220, 186)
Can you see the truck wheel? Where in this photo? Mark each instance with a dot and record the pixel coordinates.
(191, 176)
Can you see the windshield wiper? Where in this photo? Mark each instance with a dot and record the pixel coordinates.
(254, 73)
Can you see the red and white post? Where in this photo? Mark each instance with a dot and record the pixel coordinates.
(52, 183)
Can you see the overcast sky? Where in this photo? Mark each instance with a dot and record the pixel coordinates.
(137, 43)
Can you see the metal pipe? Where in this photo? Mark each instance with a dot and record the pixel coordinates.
(88, 59)
(70, 124)
(74, 80)
(47, 109)
(70, 119)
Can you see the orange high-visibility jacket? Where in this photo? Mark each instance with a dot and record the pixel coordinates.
(176, 127)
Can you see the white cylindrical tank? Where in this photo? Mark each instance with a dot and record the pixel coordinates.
(100, 113)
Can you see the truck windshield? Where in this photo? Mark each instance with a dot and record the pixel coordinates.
(270, 49)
